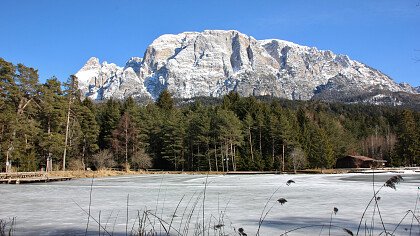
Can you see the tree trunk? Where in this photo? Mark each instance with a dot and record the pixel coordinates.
(260, 142)
(215, 157)
(282, 167)
(227, 156)
(222, 156)
(250, 143)
(83, 153)
(48, 167)
(208, 156)
(22, 105)
(126, 145)
(231, 154)
(272, 151)
(192, 156)
(67, 136)
(7, 157)
(234, 156)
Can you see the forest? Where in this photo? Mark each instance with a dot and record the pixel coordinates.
(50, 125)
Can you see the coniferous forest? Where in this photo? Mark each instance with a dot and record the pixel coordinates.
(51, 122)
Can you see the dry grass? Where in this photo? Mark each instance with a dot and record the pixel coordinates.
(92, 174)
(323, 171)
(106, 173)
(7, 227)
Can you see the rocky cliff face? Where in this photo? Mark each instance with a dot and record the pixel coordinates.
(103, 81)
(214, 62)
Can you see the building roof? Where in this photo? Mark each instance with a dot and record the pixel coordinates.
(364, 158)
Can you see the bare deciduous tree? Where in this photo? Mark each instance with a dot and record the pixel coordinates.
(141, 160)
(103, 160)
(298, 159)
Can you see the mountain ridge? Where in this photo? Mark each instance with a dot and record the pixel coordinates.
(214, 62)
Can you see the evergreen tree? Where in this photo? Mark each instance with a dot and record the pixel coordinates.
(248, 126)
(199, 139)
(408, 146)
(150, 123)
(173, 136)
(8, 114)
(90, 132)
(165, 100)
(108, 118)
(52, 119)
(229, 130)
(72, 95)
(19, 98)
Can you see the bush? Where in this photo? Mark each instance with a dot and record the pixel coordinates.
(141, 160)
(103, 160)
(76, 164)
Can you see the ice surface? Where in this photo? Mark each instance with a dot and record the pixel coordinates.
(51, 209)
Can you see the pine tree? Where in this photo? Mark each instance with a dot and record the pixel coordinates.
(165, 100)
(108, 118)
(248, 126)
(72, 96)
(408, 145)
(19, 98)
(8, 114)
(90, 132)
(229, 130)
(52, 119)
(173, 136)
(199, 138)
(150, 122)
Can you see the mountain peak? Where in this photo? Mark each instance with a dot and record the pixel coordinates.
(91, 64)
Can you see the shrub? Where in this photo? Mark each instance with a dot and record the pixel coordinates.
(141, 160)
(103, 160)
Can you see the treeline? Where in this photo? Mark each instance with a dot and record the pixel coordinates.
(50, 121)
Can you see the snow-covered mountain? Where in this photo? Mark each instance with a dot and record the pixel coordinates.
(214, 62)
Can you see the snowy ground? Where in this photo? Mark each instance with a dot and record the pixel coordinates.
(234, 201)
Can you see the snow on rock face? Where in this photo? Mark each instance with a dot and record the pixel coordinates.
(211, 63)
(135, 63)
(214, 62)
(103, 81)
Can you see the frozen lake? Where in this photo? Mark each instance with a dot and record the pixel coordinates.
(235, 201)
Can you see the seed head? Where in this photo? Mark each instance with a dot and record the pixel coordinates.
(393, 180)
(282, 201)
(290, 181)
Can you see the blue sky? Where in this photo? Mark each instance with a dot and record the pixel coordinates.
(58, 36)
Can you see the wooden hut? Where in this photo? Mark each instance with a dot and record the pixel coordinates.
(359, 162)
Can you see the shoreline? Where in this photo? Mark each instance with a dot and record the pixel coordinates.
(108, 173)
(76, 174)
